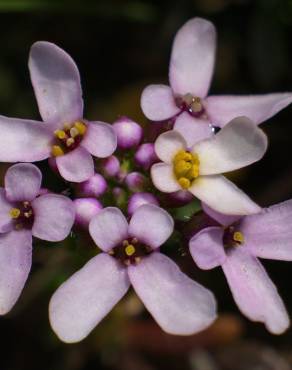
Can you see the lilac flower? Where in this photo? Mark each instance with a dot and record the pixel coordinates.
(128, 132)
(24, 214)
(136, 200)
(64, 134)
(95, 186)
(198, 168)
(235, 245)
(190, 72)
(130, 256)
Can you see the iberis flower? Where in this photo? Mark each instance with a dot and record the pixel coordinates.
(190, 72)
(24, 214)
(235, 245)
(130, 255)
(64, 134)
(198, 168)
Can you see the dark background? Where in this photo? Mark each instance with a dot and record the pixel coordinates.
(120, 47)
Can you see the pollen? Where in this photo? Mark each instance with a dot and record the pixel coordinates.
(81, 127)
(60, 134)
(57, 151)
(238, 237)
(186, 167)
(14, 212)
(130, 250)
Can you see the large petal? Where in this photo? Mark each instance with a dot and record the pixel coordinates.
(15, 264)
(223, 219)
(53, 217)
(24, 140)
(179, 305)
(76, 166)
(168, 144)
(22, 182)
(163, 178)
(193, 129)
(254, 292)
(108, 228)
(100, 139)
(223, 196)
(56, 82)
(207, 249)
(157, 103)
(192, 58)
(6, 223)
(85, 299)
(259, 108)
(269, 233)
(151, 224)
(237, 145)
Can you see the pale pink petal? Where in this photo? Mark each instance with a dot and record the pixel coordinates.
(163, 178)
(86, 297)
(254, 292)
(15, 264)
(56, 82)
(6, 223)
(223, 196)
(178, 304)
(22, 182)
(151, 224)
(259, 108)
(108, 228)
(192, 58)
(168, 144)
(157, 103)
(76, 166)
(207, 249)
(223, 219)
(24, 140)
(237, 145)
(100, 139)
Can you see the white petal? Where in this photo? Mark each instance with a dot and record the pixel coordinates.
(163, 178)
(168, 144)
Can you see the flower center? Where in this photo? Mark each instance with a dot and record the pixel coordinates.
(22, 215)
(130, 251)
(191, 104)
(186, 167)
(232, 237)
(68, 138)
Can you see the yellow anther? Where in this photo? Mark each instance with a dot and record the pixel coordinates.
(57, 151)
(196, 105)
(70, 141)
(186, 167)
(60, 134)
(14, 212)
(74, 132)
(182, 155)
(184, 182)
(182, 167)
(238, 237)
(130, 250)
(193, 172)
(81, 127)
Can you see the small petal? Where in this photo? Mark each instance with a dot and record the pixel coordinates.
(15, 264)
(192, 58)
(258, 108)
(254, 292)
(178, 304)
(168, 144)
(54, 216)
(151, 224)
(6, 223)
(76, 166)
(207, 249)
(157, 103)
(223, 219)
(108, 228)
(223, 196)
(85, 299)
(163, 178)
(22, 182)
(237, 145)
(24, 140)
(56, 82)
(100, 139)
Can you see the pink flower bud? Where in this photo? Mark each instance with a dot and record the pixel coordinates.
(136, 181)
(145, 156)
(128, 132)
(138, 199)
(93, 187)
(110, 166)
(85, 209)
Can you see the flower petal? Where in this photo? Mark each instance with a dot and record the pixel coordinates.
(223, 219)
(223, 196)
(24, 140)
(100, 139)
(254, 292)
(192, 58)
(151, 224)
(53, 217)
(22, 182)
(193, 129)
(108, 228)
(269, 233)
(237, 145)
(157, 103)
(168, 144)
(207, 249)
(178, 304)
(56, 82)
(163, 178)
(6, 223)
(259, 108)
(86, 297)
(76, 166)
(15, 264)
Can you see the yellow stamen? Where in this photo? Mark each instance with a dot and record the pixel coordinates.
(184, 182)
(57, 151)
(186, 168)
(70, 141)
(60, 134)
(196, 105)
(14, 212)
(81, 127)
(74, 132)
(238, 237)
(130, 250)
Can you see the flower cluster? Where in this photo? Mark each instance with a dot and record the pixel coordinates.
(124, 187)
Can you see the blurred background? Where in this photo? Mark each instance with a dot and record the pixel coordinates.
(120, 47)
